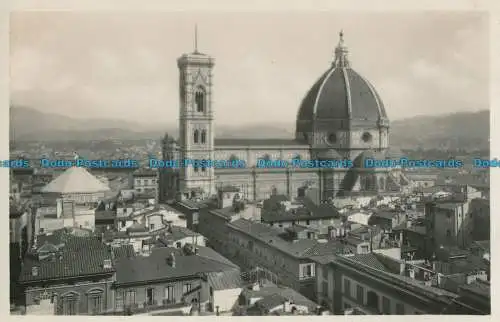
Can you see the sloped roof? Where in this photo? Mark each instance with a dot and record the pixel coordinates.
(77, 256)
(140, 269)
(75, 180)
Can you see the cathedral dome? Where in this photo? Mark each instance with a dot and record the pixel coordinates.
(341, 94)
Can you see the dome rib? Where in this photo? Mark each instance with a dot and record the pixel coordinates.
(348, 93)
(320, 89)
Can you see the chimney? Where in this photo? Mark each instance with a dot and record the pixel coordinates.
(331, 233)
(107, 264)
(171, 260)
(196, 249)
(34, 271)
(287, 306)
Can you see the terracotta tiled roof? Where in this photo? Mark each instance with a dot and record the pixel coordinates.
(369, 260)
(76, 256)
(156, 267)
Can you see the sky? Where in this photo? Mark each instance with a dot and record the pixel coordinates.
(122, 65)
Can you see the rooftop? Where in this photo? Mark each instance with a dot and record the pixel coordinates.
(270, 293)
(141, 269)
(63, 256)
(274, 210)
(300, 248)
(75, 180)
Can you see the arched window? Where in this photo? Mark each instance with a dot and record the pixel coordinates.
(381, 183)
(196, 136)
(199, 99)
(266, 157)
(297, 157)
(203, 136)
(233, 158)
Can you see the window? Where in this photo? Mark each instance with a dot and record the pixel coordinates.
(400, 309)
(151, 226)
(150, 296)
(70, 304)
(308, 222)
(448, 233)
(195, 167)
(372, 300)
(123, 223)
(386, 305)
(203, 136)
(325, 289)
(124, 210)
(308, 270)
(199, 99)
(196, 136)
(178, 245)
(130, 298)
(95, 303)
(347, 287)
(266, 157)
(360, 294)
(169, 294)
(325, 272)
(186, 289)
(332, 138)
(366, 137)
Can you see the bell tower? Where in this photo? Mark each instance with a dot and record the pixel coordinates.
(196, 126)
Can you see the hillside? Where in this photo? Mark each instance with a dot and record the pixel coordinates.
(459, 130)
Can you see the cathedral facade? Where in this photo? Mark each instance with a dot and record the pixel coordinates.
(341, 117)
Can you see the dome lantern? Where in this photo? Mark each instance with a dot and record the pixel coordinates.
(341, 53)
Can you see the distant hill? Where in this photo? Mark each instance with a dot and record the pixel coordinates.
(459, 130)
(452, 131)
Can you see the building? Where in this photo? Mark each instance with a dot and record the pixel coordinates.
(340, 118)
(20, 233)
(474, 299)
(172, 279)
(67, 275)
(270, 299)
(365, 285)
(480, 212)
(450, 220)
(75, 184)
(278, 211)
(286, 256)
(145, 181)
